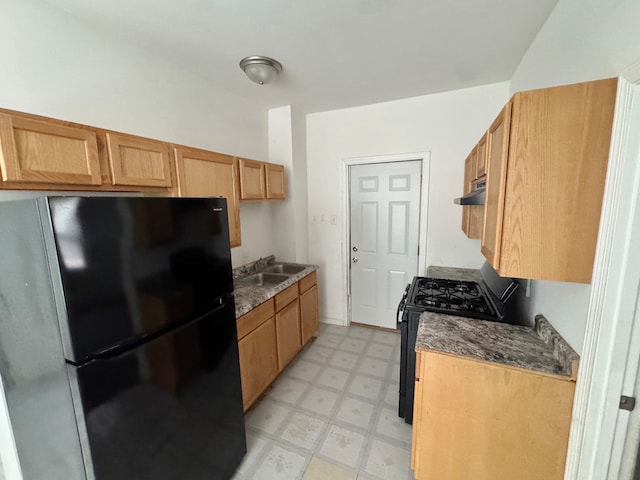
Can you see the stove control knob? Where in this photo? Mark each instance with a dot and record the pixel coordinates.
(355, 259)
(355, 249)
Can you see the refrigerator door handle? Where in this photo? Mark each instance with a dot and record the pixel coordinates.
(124, 347)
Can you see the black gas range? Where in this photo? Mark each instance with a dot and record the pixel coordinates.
(488, 299)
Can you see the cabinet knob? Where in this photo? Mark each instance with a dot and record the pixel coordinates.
(355, 259)
(355, 249)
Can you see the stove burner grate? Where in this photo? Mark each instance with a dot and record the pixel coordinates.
(450, 296)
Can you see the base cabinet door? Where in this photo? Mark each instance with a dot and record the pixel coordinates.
(486, 421)
(258, 361)
(309, 313)
(288, 333)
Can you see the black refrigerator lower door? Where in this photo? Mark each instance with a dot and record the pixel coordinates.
(170, 409)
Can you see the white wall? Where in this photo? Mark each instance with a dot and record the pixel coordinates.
(287, 146)
(446, 124)
(54, 65)
(582, 40)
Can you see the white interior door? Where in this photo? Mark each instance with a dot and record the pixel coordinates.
(385, 214)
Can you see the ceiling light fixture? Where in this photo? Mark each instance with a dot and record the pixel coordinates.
(260, 69)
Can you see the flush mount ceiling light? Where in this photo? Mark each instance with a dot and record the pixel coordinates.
(260, 69)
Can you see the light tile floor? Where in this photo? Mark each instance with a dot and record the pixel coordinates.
(332, 414)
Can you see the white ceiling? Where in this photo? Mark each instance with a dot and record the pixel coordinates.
(335, 53)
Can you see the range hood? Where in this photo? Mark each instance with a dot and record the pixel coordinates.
(474, 197)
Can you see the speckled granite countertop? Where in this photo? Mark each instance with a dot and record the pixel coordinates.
(249, 297)
(540, 348)
(454, 273)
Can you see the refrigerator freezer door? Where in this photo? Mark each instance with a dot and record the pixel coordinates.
(132, 266)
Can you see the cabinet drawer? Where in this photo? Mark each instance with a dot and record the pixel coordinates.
(286, 296)
(307, 282)
(254, 318)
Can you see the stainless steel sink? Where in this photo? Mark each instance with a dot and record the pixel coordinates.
(262, 280)
(286, 268)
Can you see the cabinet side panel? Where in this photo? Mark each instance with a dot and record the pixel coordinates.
(497, 153)
(32, 366)
(557, 167)
(486, 422)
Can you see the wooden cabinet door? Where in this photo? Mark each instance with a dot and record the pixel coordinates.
(558, 156)
(288, 333)
(469, 169)
(481, 157)
(309, 313)
(252, 183)
(258, 361)
(497, 156)
(206, 174)
(274, 176)
(33, 151)
(472, 215)
(486, 421)
(138, 161)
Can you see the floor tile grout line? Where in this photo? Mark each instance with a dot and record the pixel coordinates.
(379, 403)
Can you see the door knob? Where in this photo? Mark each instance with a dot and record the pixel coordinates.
(355, 259)
(355, 249)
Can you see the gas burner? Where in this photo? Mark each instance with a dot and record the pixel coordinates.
(450, 296)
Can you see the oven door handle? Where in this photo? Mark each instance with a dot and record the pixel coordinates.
(402, 305)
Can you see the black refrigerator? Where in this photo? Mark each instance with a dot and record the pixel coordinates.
(143, 293)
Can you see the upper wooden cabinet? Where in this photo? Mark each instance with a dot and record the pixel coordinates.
(274, 176)
(261, 180)
(33, 151)
(481, 157)
(252, 181)
(497, 154)
(547, 161)
(204, 174)
(138, 161)
(471, 214)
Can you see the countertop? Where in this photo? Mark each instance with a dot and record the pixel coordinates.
(540, 348)
(249, 297)
(454, 273)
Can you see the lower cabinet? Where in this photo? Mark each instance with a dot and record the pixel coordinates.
(270, 335)
(309, 321)
(288, 333)
(258, 351)
(482, 420)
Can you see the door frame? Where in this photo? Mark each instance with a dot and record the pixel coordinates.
(598, 426)
(425, 158)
